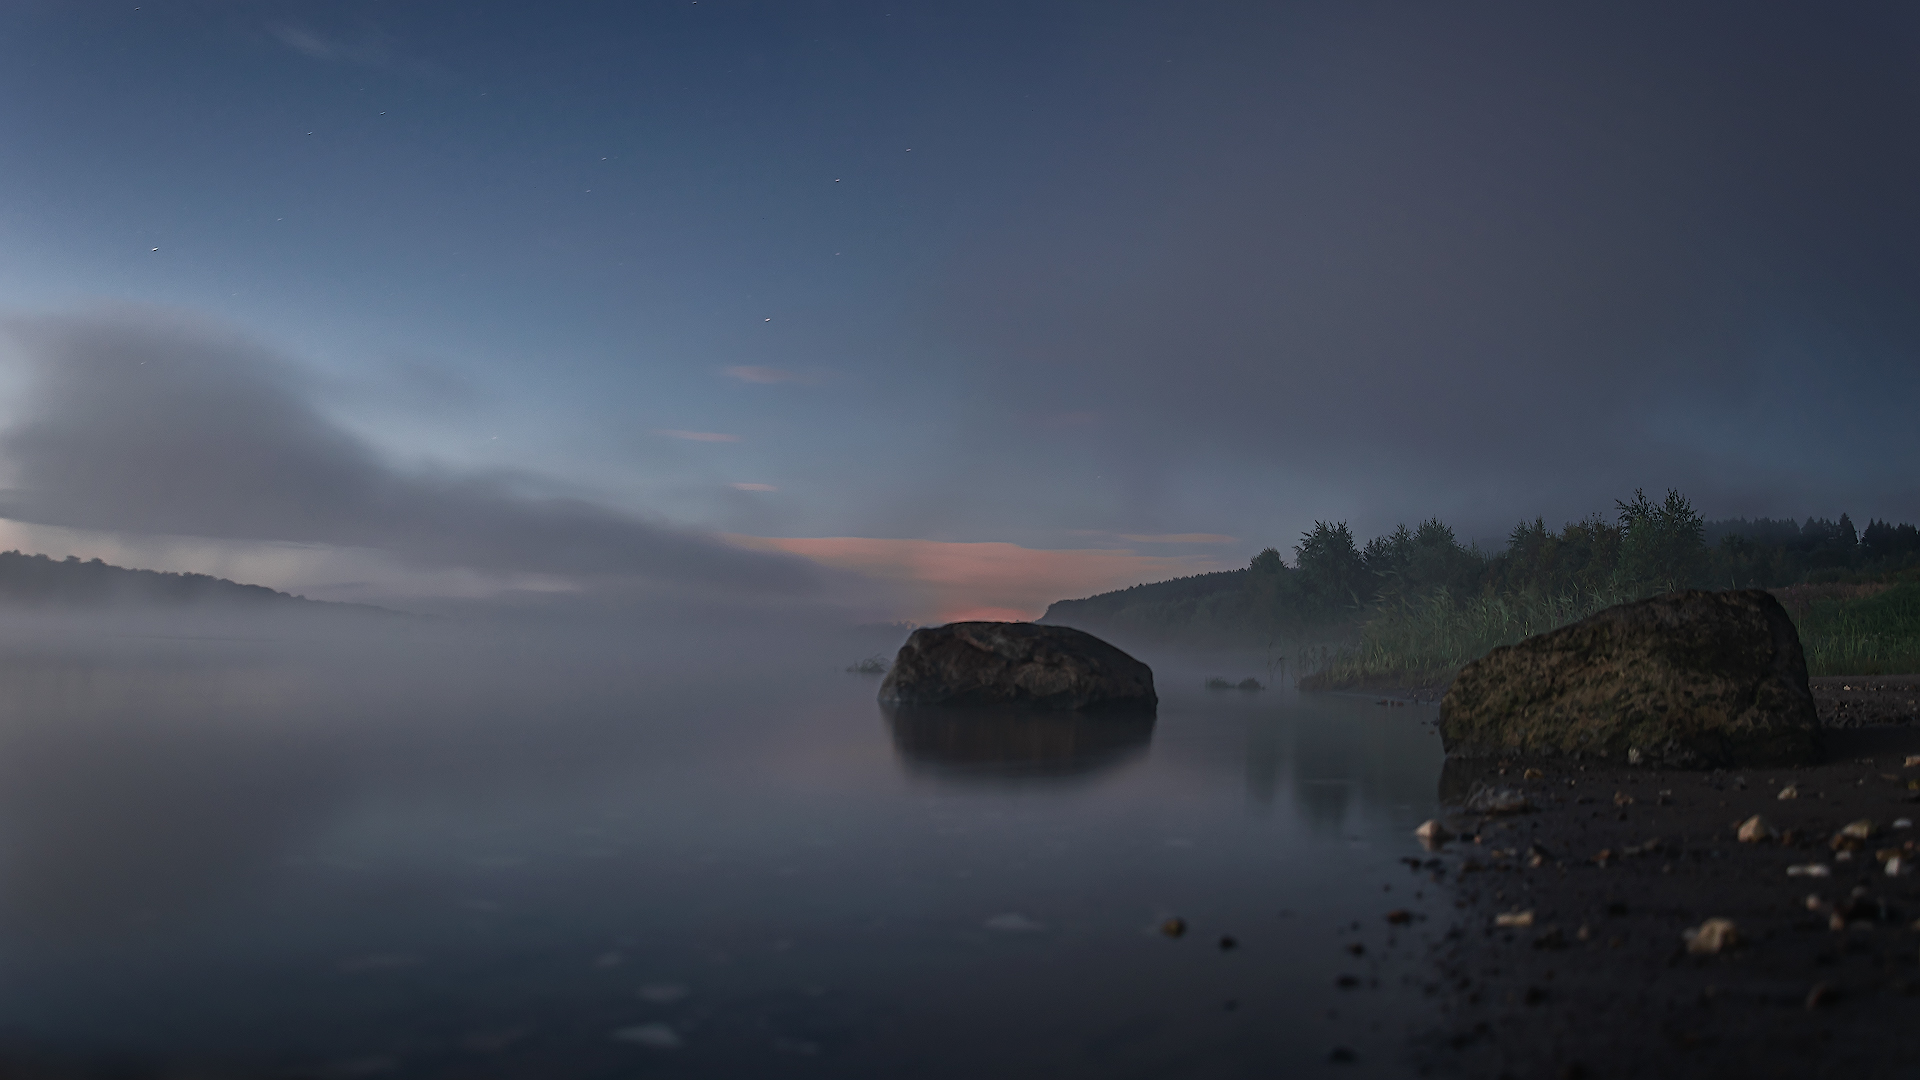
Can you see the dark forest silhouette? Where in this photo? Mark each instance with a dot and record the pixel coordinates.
(1417, 602)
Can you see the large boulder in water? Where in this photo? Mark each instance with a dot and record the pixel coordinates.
(1693, 679)
(1011, 663)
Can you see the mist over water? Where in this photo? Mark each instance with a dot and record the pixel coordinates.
(422, 847)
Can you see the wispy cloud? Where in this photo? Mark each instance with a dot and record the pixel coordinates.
(766, 375)
(696, 436)
(370, 49)
(1179, 538)
(753, 487)
(137, 421)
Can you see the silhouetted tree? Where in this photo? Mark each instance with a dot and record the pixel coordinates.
(1332, 573)
(1662, 547)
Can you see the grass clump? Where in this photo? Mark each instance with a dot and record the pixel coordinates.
(1861, 631)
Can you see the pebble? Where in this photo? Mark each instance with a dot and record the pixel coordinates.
(1810, 870)
(1432, 834)
(1712, 936)
(1498, 801)
(1514, 918)
(1789, 792)
(1755, 829)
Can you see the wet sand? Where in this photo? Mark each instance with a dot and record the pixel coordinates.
(1615, 864)
(1864, 700)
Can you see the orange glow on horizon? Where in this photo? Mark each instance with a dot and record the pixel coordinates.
(941, 581)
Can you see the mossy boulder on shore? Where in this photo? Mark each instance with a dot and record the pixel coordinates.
(1691, 679)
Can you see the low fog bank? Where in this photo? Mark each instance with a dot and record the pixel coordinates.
(671, 642)
(155, 760)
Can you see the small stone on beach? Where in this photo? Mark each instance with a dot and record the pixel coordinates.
(1754, 830)
(1791, 791)
(1712, 936)
(1498, 801)
(1514, 919)
(1810, 870)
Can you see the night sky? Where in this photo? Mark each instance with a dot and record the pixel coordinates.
(925, 310)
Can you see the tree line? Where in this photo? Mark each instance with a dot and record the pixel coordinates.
(1644, 547)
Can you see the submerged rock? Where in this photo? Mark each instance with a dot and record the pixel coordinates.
(1690, 678)
(1003, 663)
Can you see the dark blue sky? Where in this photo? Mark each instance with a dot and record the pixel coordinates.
(1052, 275)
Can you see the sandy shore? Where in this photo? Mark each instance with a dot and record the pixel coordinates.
(1862, 700)
(1615, 865)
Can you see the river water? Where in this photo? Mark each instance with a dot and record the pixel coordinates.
(521, 857)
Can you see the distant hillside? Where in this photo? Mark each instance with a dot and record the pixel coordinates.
(38, 581)
(1202, 606)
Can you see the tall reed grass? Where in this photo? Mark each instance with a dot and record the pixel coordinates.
(1878, 634)
(1427, 639)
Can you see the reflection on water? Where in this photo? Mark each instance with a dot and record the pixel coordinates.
(467, 857)
(974, 743)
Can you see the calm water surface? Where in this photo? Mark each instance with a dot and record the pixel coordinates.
(520, 857)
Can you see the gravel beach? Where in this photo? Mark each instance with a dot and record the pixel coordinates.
(1562, 946)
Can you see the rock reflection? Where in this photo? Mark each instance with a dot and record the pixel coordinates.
(1001, 744)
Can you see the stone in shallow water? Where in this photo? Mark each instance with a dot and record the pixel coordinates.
(1025, 664)
(1693, 679)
